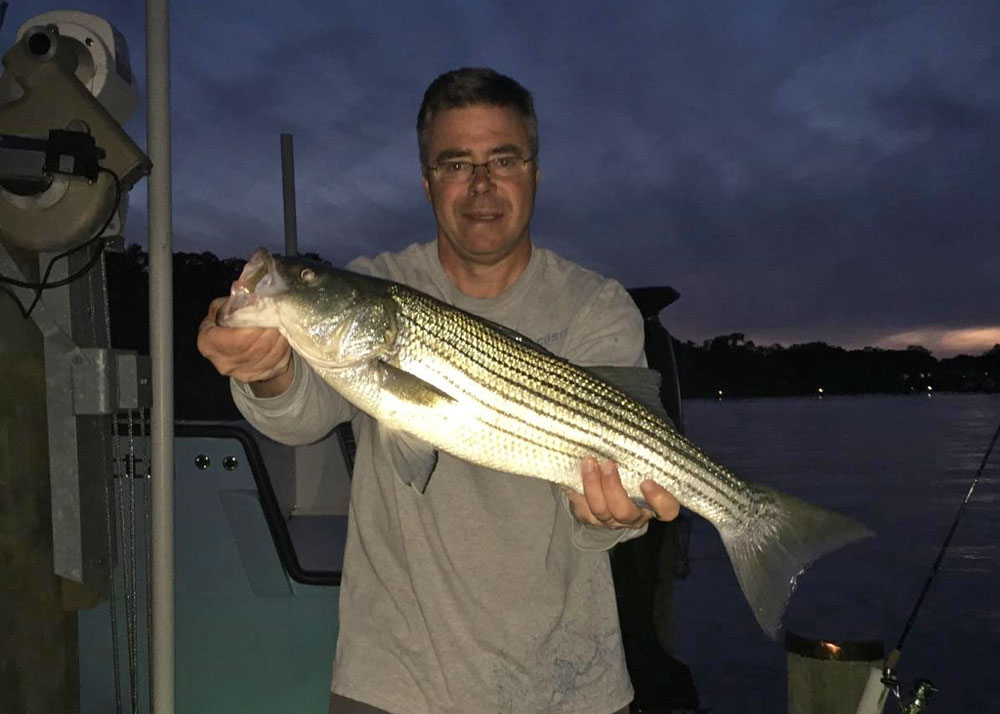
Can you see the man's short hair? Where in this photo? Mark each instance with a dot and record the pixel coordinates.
(475, 85)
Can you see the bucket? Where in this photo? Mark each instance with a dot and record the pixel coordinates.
(828, 676)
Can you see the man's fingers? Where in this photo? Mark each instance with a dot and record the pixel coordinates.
(664, 504)
(262, 354)
(622, 508)
(246, 354)
(605, 502)
(281, 353)
(208, 322)
(274, 362)
(592, 476)
(214, 307)
(605, 497)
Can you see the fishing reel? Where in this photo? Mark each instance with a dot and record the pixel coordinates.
(917, 700)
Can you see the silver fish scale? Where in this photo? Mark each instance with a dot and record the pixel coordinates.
(540, 414)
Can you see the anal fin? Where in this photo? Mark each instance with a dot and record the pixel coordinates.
(412, 459)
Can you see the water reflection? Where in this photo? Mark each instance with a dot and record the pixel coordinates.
(900, 464)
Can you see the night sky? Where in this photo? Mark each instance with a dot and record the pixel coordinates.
(798, 170)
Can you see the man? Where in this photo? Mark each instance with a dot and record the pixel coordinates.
(482, 593)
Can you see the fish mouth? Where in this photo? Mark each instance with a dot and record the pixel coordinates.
(257, 267)
(250, 291)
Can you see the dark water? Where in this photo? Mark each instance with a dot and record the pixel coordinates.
(902, 465)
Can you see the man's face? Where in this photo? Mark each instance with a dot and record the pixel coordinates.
(483, 219)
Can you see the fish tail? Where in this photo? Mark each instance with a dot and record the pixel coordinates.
(778, 541)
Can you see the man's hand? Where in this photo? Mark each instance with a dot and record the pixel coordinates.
(604, 502)
(258, 356)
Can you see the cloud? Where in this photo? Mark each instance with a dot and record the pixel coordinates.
(945, 342)
(796, 170)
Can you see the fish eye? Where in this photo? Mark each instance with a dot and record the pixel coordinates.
(308, 275)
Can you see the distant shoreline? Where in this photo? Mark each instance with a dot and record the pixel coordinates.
(736, 367)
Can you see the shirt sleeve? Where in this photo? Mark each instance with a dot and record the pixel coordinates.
(305, 412)
(607, 330)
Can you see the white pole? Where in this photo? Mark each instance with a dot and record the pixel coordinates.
(874, 695)
(161, 338)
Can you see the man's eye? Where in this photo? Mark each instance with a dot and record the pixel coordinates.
(504, 162)
(455, 167)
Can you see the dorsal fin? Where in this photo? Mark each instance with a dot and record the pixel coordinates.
(640, 383)
(516, 336)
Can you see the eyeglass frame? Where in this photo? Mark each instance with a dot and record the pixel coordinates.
(485, 165)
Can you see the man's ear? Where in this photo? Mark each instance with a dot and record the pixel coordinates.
(427, 184)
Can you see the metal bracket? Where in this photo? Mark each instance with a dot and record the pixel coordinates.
(87, 383)
(107, 381)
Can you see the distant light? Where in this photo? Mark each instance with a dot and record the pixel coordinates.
(720, 392)
(930, 388)
(831, 647)
(820, 390)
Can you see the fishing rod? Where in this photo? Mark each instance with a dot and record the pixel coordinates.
(874, 696)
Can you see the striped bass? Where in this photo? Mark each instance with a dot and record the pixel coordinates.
(482, 393)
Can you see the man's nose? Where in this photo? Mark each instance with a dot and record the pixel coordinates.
(481, 180)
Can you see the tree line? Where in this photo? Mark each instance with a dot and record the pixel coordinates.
(739, 368)
(729, 363)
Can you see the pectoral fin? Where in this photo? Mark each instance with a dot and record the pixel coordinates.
(410, 389)
(411, 458)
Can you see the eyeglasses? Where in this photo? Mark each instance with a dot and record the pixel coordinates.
(499, 167)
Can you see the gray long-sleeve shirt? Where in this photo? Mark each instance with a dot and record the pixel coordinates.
(481, 594)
